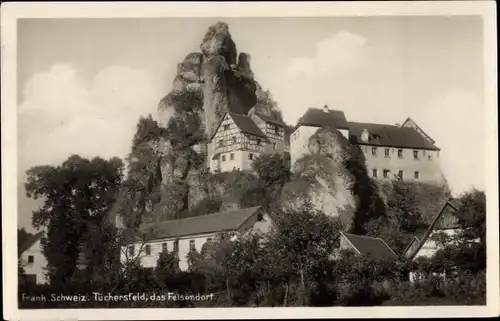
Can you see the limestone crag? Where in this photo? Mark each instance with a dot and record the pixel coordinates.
(320, 177)
(228, 83)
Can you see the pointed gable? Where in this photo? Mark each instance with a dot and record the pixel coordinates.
(29, 242)
(244, 123)
(445, 219)
(410, 123)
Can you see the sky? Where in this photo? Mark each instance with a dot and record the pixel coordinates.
(84, 83)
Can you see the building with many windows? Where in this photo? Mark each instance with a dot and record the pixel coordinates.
(184, 235)
(239, 139)
(390, 151)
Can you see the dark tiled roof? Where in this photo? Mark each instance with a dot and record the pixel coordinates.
(317, 117)
(211, 223)
(389, 135)
(32, 239)
(418, 127)
(269, 119)
(443, 220)
(371, 246)
(246, 124)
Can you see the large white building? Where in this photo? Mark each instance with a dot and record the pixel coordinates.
(183, 235)
(390, 151)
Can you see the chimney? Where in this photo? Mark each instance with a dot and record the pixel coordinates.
(365, 135)
(326, 109)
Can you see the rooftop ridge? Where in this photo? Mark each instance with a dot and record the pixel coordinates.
(204, 216)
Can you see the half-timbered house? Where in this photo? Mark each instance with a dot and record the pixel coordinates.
(235, 143)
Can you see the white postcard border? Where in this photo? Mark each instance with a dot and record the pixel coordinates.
(10, 12)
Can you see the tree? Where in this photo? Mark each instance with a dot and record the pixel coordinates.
(301, 239)
(167, 268)
(403, 216)
(77, 197)
(272, 172)
(471, 214)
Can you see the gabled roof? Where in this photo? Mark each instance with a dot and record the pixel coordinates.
(30, 241)
(373, 247)
(244, 123)
(389, 136)
(269, 119)
(317, 117)
(409, 120)
(211, 223)
(439, 222)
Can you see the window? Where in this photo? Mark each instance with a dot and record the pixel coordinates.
(374, 151)
(131, 250)
(400, 174)
(386, 173)
(274, 146)
(231, 156)
(415, 154)
(234, 139)
(164, 247)
(258, 141)
(277, 130)
(429, 157)
(31, 259)
(227, 126)
(221, 143)
(192, 245)
(223, 158)
(400, 153)
(209, 240)
(375, 173)
(417, 174)
(148, 249)
(387, 152)
(250, 156)
(176, 246)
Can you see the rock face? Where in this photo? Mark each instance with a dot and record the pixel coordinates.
(224, 81)
(321, 177)
(228, 82)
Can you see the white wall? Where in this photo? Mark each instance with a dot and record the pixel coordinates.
(299, 142)
(427, 164)
(150, 261)
(39, 262)
(430, 247)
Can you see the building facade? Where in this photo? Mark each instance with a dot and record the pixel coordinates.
(390, 151)
(445, 224)
(184, 235)
(33, 260)
(309, 123)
